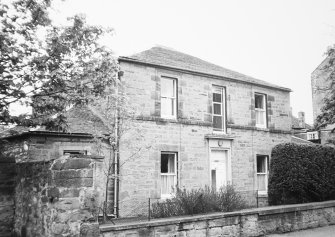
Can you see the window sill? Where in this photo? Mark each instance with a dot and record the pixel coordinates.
(167, 196)
(169, 118)
(262, 193)
(222, 136)
(262, 128)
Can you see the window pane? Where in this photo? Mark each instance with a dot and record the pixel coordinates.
(259, 101)
(168, 163)
(213, 173)
(164, 163)
(167, 107)
(217, 97)
(167, 87)
(217, 109)
(261, 180)
(217, 122)
(167, 184)
(261, 164)
(260, 117)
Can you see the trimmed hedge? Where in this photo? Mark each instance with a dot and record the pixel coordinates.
(301, 173)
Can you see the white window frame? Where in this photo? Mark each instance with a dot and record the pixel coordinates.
(266, 174)
(223, 108)
(169, 195)
(173, 99)
(312, 135)
(262, 110)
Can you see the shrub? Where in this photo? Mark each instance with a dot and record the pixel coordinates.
(301, 173)
(196, 201)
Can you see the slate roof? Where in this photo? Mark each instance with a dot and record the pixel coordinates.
(81, 120)
(295, 123)
(161, 56)
(301, 141)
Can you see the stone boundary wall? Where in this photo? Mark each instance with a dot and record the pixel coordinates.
(54, 198)
(252, 222)
(7, 186)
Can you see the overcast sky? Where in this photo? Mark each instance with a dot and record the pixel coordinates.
(279, 41)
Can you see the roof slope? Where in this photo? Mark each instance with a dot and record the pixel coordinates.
(170, 58)
(295, 123)
(301, 141)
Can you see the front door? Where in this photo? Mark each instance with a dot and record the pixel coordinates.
(219, 168)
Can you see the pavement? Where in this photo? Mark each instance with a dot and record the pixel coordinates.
(327, 231)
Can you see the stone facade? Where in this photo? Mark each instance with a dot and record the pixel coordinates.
(320, 87)
(191, 134)
(256, 222)
(321, 84)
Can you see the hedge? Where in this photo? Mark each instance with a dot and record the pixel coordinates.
(196, 201)
(301, 173)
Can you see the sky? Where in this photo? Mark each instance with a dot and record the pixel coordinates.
(279, 41)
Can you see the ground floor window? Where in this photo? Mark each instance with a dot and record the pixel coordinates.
(168, 174)
(262, 173)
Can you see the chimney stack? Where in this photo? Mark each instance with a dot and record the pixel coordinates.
(301, 117)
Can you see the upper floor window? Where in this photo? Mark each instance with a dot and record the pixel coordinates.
(260, 109)
(168, 97)
(262, 173)
(168, 174)
(219, 109)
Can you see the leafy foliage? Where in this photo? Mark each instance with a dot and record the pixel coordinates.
(66, 68)
(327, 115)
(196, 201)
(301, 173)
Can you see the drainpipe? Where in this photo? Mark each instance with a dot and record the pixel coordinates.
(116, 128)
(116, 148)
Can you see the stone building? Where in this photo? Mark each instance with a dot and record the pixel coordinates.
(320, 86)
(50, 183)
(204, 125)
(211, 126)
(320, 90)
(302, 132)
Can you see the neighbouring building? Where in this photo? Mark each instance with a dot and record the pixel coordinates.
(50, 183)
(321, 83)
(320, 86)
(302, 132)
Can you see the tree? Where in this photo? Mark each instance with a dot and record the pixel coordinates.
(67, 68)
(117, 114)
(327, 115)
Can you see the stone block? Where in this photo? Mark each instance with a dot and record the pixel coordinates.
(59, 228)
(89, 230)
(69, 174)
(69, 192)
(71, 163)
(67, 204)
(200, 225)
(73, 216)
(74, 183)
(53, 194)
(216, 231)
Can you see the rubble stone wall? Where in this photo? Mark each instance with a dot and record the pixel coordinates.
(54, 198)
(7, 187)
